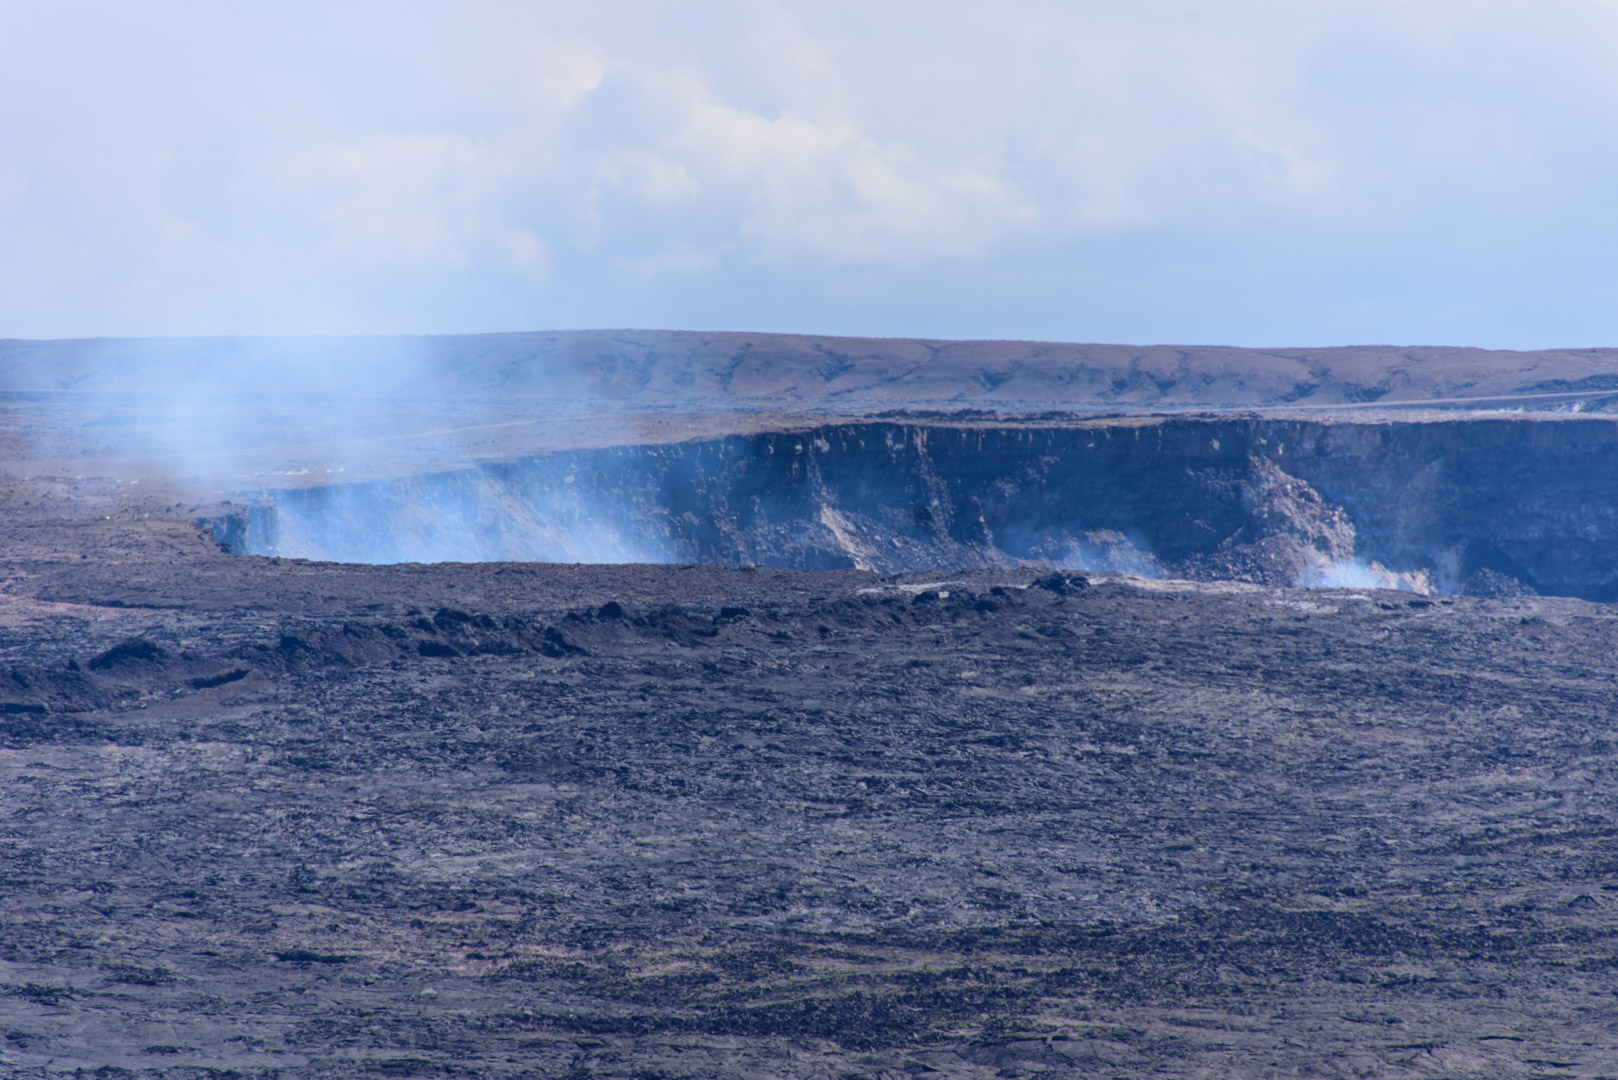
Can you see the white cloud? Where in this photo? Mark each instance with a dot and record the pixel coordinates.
(405, 166)
(416, 199)
(560, 73)
(800, 184)
(656, 179)
(674, 261)
(528, 253)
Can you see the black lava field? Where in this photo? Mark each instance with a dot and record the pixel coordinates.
(843, 717)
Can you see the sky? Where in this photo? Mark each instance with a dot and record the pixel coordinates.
(1298, 172)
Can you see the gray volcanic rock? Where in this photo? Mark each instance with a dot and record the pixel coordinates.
(1291, 532)
(1487, 582)
(278, 818)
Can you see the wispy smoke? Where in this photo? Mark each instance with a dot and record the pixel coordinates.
(1107, 550)
(539, 510)
(1360, 574)
(361, 449)
(208, 410)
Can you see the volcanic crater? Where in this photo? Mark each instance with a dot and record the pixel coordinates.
(626, 704)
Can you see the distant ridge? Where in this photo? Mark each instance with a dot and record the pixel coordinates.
(735, 370)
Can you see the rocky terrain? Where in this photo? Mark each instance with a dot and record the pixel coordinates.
(947, 805)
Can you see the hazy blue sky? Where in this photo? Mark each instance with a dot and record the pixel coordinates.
(1286, 172)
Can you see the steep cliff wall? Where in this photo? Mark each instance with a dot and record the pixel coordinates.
(1464, 505)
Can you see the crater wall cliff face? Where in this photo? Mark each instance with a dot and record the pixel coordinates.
(1466, 505)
